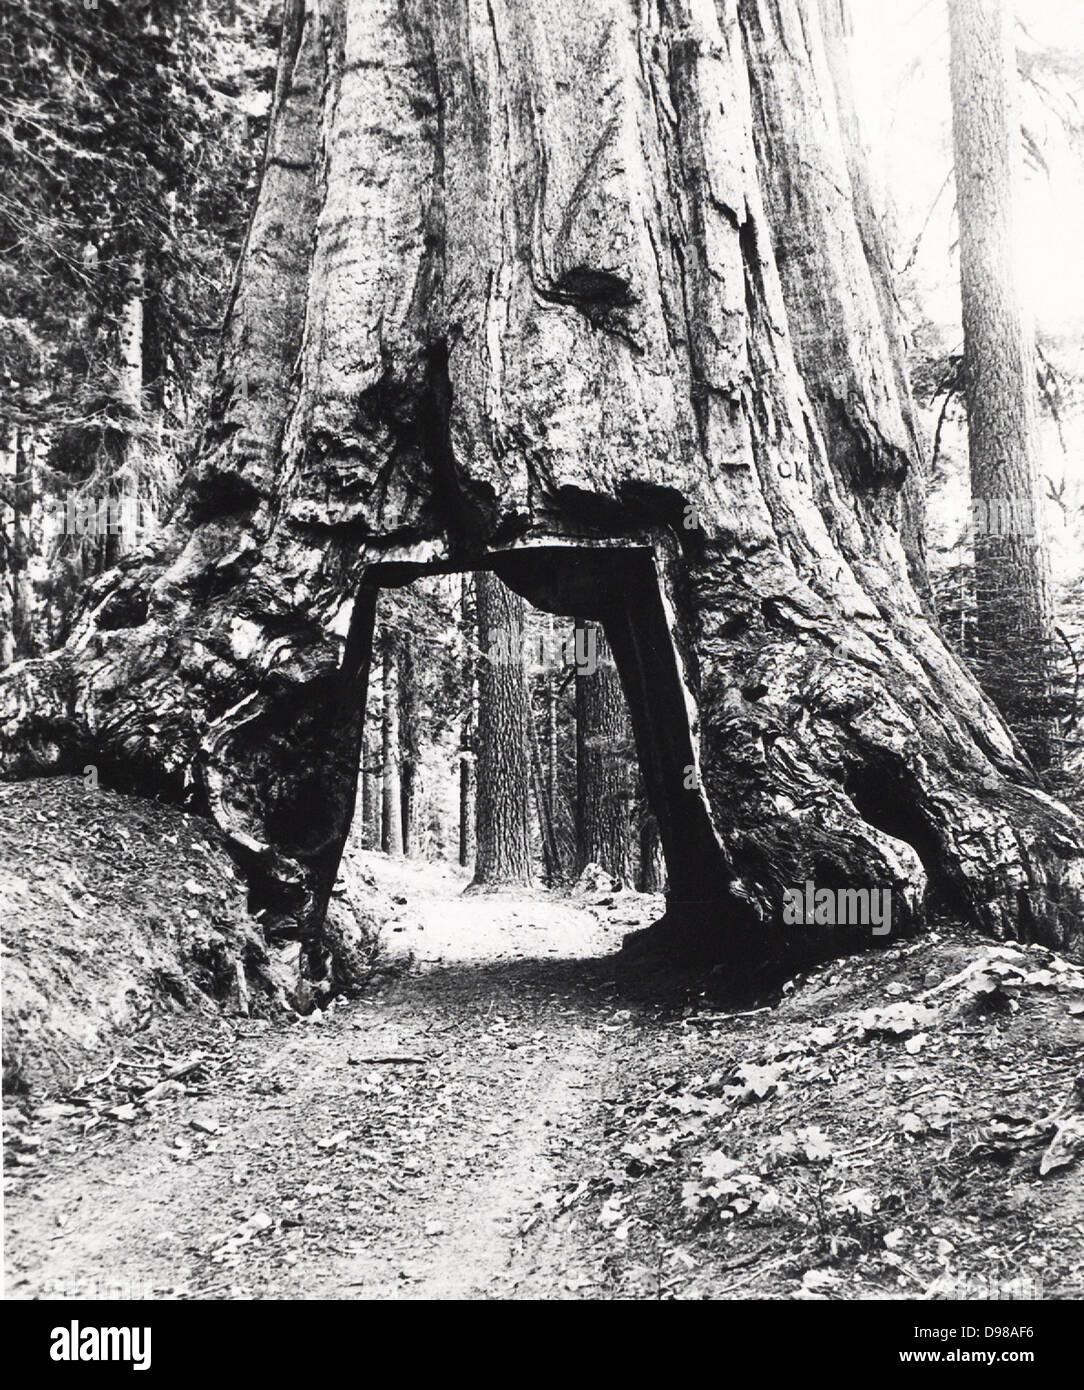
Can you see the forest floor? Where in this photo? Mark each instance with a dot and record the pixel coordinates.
(492, 1120)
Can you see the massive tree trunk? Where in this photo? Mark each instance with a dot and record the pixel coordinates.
(588, 304)
(1014, 607)
(603, 783)
(503, 740)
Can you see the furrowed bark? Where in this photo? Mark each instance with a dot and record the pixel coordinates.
(589, 305)
(503, 740)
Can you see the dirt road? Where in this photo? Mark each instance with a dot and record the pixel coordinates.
(396, 1148)
(496, 1122)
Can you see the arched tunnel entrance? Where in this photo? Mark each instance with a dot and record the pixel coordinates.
(621, 589)
(746, 777)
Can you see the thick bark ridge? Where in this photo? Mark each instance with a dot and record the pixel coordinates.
(586, 302)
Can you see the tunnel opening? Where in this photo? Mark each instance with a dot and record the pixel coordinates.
(596, 774)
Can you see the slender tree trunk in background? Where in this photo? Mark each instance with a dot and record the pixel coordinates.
(555, 683)
(466, 808)
(367, 841)
(435, 838)
(551, 853)
(503, 786)
(1014, 617)
(409, 739)
(650, 868)
(125, 488)
(376, 824)
(469, 635)
(22, 594)
(603, 745)
(391, 831)
(550, 696)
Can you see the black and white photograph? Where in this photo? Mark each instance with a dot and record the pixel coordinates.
(541, 667)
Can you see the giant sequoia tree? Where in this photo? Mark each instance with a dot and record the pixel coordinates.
(597, 305)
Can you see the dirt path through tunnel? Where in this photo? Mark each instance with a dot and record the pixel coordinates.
(497, 1122)
(326, 1164)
